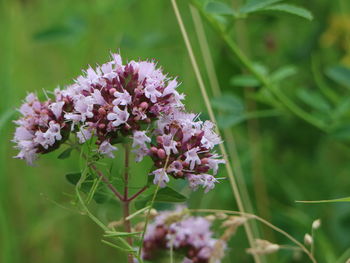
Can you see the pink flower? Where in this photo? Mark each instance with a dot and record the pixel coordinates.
(107, 149)
(160, 177)
(188, 234)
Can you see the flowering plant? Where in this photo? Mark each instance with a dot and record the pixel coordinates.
(133, 104)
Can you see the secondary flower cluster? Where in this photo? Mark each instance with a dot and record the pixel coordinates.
(114, 101)
(184, 234)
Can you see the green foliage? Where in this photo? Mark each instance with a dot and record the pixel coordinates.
(45, 44)
(166, 194)
(339, 74)
(244, 81)
(219, 8)
(91, 186)
(257, 5)
(344, 199)
(291, 9)
(65, 154)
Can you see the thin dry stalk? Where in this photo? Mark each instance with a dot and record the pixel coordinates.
(213, 119)
(228, 134)
(263, 221)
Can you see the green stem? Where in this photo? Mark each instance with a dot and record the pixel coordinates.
(126, 202)
(249, 65)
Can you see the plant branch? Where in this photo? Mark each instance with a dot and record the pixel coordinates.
(107, 182)
(249, 65)
(137, 193)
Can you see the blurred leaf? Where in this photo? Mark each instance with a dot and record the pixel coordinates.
(291, 9)
(65, 154)
(342, 133)
(71, 28)
(342, 108)
(344, 257)
(314, 100)
(166, 194)
(219, 8)
(256, 5)
(260, 68)
(228, 102)
(244, 81)
(283, 72)
(53, 33)
(227, 121)
(339, 74)
(345, 199)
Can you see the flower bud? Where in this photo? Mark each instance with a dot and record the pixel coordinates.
(102, 111)
(112, 91)
(161, 154)
(144, 105)
(316, 224)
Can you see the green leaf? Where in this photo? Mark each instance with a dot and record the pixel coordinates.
(291, 9)
(228, 103)
(340, 75)
(227, 121)
(166, 194)
(283, 73)
(65, 154)
(73, 178)
(244, 81)
(261, 68)
(345, 199)
(342, 133)
(256, 5)
(342, 108)
(219, 8)
(314, 100)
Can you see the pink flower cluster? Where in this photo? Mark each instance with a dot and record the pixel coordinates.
(117, 101)
(41, 129)
(190, 235)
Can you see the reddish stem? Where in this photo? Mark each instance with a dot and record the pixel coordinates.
(107, 182)
(137, 194)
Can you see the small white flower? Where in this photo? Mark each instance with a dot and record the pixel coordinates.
(56, 108)
(160, 177)
(84, 135)
(122, 98)
(107, 149)
(118, 116)
(192, 157)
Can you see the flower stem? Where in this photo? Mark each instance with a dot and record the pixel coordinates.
(126, 202)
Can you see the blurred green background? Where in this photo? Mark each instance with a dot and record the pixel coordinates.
(45, 43)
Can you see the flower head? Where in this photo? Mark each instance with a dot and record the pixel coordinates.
(176, 229)
(115, 101)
